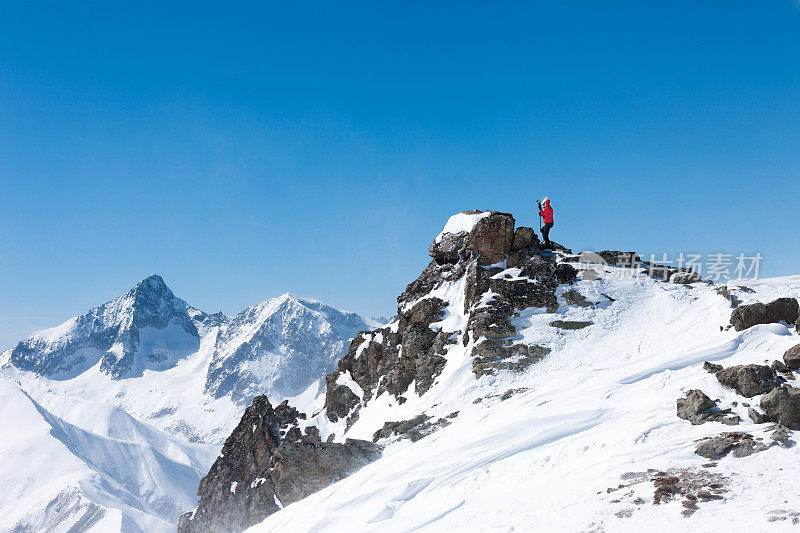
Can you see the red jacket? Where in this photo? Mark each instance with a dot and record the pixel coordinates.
(547, 213)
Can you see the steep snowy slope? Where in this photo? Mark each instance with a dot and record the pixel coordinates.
(585, 438)
(77, 466)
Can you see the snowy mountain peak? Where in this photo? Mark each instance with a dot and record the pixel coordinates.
(146, 328)
(280, 345)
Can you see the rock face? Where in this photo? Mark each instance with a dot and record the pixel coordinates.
(792, 358)
(267, 463)
(782, 405)
(749, 380)
(780, 310)
(491, 257)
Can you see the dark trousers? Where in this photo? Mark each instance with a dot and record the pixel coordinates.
(546, 233)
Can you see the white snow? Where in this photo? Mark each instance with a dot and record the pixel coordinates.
(461, 223)
(600, 405)
(131, 452)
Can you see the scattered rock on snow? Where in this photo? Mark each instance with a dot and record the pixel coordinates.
(685, 278)
(749, 380)
(725, 292)
(573, 297)
(782, 405)
(792, 358)
(780, 310)
(699, 409)
(414, 429)
(740, 444)
(570, 324)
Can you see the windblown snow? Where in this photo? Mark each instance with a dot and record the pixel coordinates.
(568, 445)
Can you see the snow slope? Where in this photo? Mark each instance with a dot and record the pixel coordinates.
(123, 410)
(597, 412)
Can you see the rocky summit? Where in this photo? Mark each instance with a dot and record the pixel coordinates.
(484, 272)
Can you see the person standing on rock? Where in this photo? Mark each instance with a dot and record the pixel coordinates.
(547, 216)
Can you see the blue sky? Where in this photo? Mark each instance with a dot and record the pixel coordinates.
(256, 148)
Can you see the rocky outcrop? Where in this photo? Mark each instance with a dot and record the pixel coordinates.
(414, 429)
(267, 463)
(782, 405)
(493, 259)
(749, 380)
(698, 408)
(781, 310)
(736, 443)
(791, 358)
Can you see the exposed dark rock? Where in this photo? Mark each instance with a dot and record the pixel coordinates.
(570, 324)
(726, 293)
(792, 358)
(414, 429)
(780, 310)
(566, 273)
(492, 356)
(782, 405)
(740, 444)
(781, 437)
(699, 409)
(573, 297)
(711, 367)
(756, 417)
(685, 278)
(264, 459)
(610, 257)
(749, 380)
(695, 403)
(780, 366)
(524, 238)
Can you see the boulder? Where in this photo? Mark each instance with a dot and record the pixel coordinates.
(695, 403)
(782, 405)
(749, 380)
(491, 238)
(792, 358)
(570, 324)
(699, 409)
(741, 444)
(780, 310)
(685, 278)
(573, 297)
(711, 368)
(566, 273)
(523, 238)
(725, 292)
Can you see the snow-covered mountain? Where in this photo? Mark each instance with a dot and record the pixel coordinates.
(520, 389)
(133, 399)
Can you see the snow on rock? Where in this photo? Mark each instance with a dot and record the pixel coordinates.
(462, 223)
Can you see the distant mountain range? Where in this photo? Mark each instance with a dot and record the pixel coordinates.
(152, 379)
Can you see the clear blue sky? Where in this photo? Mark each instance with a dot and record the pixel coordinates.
(244, 150)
